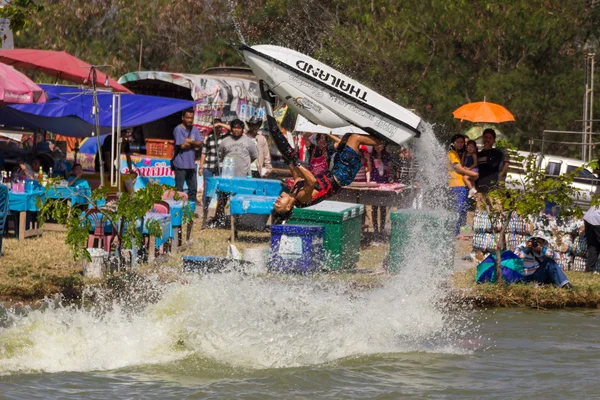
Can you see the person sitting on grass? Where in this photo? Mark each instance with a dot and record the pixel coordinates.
(539, 263)
(309, 189)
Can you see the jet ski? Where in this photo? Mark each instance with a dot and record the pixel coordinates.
(327, 97)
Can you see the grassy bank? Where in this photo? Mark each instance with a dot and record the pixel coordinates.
(37, 267)
(586, 292)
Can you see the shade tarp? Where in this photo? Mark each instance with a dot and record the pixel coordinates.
(69, 112)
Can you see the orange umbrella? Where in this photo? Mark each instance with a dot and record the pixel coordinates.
(483, 111)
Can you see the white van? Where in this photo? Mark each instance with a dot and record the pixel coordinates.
(586, 182)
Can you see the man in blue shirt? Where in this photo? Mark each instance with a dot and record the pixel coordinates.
(187, 140)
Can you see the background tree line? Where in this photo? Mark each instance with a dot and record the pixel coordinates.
(432, 55)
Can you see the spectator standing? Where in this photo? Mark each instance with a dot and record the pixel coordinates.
(458, 189)
(364, 173)
(469, 161)
(591, 223)
(261, 167)
(239, 147)
(320, 151)
(187, 140)
(382, 162)
(492, 167)
(209, 160)
(243, 151)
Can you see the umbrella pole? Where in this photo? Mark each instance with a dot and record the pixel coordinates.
(97, 126)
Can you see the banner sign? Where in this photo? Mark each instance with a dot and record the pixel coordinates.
(157, 170)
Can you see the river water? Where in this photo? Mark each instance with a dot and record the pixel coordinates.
(515, 354)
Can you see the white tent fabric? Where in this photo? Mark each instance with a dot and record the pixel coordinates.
(304, 125)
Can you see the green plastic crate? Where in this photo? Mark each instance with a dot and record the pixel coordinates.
(343, 223)
(426, 232)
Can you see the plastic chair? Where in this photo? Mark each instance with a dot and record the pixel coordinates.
(170, 195)
(3, 212)
(161, 207)
(99, 234)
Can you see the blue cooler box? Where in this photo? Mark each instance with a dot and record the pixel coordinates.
(296, 248)
(252, 212)
(250, 204)
(243, 185)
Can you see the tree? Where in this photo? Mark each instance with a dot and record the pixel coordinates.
(20, 13)
(125, 213)
(527, 195)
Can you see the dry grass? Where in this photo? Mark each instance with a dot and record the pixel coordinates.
(33, 268)
(586, 292)
(36, 267)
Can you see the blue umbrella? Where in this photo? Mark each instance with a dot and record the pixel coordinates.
(90, 145)
(510, 264)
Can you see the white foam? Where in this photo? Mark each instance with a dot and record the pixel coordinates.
(247, 321)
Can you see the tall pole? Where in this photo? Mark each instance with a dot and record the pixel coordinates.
(591, 109)
(588, 107)
(95, 109)
(141, 47)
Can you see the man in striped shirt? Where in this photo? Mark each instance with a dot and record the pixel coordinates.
(539, 263)
(209, 160)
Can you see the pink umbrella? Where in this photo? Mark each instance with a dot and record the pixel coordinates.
(17, 88)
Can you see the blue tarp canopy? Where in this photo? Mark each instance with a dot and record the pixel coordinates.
(69, 111)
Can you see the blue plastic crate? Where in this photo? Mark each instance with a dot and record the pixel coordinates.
(296, 248)
(243, 185)
(251, 204)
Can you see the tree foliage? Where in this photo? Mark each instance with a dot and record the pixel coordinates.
(433, 56)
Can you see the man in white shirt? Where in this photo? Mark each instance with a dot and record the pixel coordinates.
(591, 221)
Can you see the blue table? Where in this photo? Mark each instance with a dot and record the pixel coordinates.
(25, 205)
(165, 224)
(252, 206)
(75, 194)
(24, 201)
(178, 209)
(243, 185)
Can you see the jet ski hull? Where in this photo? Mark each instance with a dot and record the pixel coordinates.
(327, 97)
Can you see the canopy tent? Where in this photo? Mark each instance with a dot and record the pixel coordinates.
(57, 63)
(69, 112)
(216, 96)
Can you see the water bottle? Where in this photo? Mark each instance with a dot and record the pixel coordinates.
(228, 167)
(50, 175)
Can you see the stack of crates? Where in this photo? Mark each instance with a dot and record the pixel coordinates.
(342, 222)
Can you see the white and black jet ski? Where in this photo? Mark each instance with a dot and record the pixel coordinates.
(327, 97)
